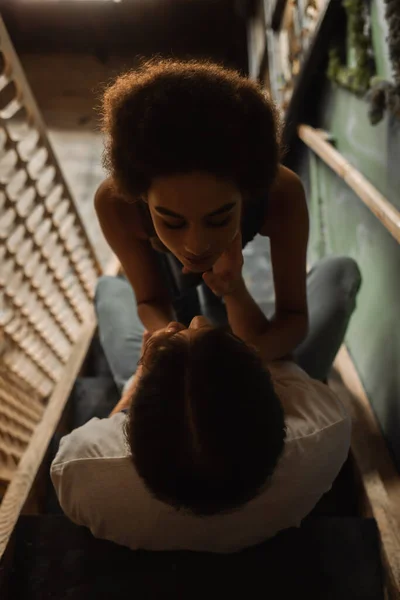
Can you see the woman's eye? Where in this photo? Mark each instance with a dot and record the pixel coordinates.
(174, 225)
(219, 223)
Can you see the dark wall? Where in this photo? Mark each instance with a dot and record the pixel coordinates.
(342, 224)
(212, 28)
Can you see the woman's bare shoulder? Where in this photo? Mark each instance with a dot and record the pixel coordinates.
(286, 184)
(115, 211)
(285, 199)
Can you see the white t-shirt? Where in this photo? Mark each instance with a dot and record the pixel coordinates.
(98, 486)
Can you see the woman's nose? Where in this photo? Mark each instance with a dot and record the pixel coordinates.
(196, 243)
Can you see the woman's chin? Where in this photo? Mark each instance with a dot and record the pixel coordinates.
(197, 268)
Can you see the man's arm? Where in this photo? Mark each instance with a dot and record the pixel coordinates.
(126, 398)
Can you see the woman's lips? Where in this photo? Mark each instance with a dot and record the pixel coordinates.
(201, 264)
(196, 260)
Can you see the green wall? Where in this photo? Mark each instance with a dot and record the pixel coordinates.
(342, 224)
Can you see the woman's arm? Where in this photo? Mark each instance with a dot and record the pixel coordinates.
(275, 338)
(287, 227)
(121, 226)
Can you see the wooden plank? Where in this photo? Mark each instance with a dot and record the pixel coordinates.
(277, 14)
(256, 39)
(388, 215)
(376, 471)
(19, 488)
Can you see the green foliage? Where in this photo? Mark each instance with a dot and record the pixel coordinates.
(357, 76)
(385, 95)
(393, 18)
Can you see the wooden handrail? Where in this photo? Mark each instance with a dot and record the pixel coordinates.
(388, 215)
(25, 473)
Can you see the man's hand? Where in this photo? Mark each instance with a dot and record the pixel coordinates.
(145, 339)
(226, 275)
(129, 392)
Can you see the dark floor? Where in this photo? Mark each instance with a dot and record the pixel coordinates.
(326, 559)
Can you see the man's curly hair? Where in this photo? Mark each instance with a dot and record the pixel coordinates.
(206, 428)
(173, 117)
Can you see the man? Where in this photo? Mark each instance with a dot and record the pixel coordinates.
(209, 449)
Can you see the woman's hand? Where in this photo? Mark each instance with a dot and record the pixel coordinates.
(226, 275)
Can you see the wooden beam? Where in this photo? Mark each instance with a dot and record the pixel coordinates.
(24, 476)
(312, 71)
(277, 14)
(376, 471)
(388, 215)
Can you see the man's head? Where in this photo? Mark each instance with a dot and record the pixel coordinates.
(206, 428)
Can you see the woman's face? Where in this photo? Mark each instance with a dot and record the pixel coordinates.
(196, 216)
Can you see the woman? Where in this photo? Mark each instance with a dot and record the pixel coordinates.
(193, 154)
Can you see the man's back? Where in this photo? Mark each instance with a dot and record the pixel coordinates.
(98, 486)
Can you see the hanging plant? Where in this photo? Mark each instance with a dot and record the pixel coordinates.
(385, 95)
(356, 74)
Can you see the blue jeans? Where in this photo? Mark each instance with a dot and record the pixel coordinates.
(332, 287)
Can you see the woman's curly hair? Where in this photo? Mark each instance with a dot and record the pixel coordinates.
(171, 116)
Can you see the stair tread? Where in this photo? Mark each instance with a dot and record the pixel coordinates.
(328, 557)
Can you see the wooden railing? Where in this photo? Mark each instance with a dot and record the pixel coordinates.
(388, 215)
(36, 446)
(376, 472)
(48, 273)
(48, 267)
